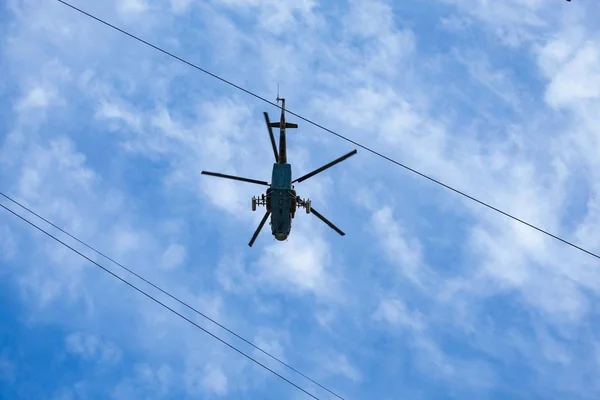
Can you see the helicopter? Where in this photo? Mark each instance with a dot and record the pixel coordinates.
(280, 199)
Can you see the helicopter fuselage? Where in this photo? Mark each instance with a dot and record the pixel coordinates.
(281, 200)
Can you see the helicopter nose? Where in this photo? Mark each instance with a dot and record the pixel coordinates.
(281, 236)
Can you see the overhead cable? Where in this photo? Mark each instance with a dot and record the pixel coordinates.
(183, 303)
(159, 302)
(341, 136)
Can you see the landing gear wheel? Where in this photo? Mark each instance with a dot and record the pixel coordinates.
(307, 207)
(253, 204)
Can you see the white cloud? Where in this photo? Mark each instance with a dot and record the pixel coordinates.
(472, 374)
(578, 79)
(113, 111)
(215, 380)
(181, 6)
(173, 256)
(498, 82)
(59, 157)
(146, 381)
(270, 342)
(395, 312)
(38, 97)
(369, 19)
(277, 17)
(127, 240)
(339, 364)
(513, 22)
(406, 253)
(203, 379)
(92, 348)
(132, 6)
(554, 351)
(301, 264)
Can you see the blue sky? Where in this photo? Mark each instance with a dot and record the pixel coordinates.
(427, 296)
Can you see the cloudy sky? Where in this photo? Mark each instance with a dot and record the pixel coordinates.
(429, 295)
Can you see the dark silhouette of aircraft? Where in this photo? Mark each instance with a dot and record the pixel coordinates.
(280, 198)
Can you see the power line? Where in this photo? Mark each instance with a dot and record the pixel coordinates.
(341, 136)
(168, 294)
(159, 302)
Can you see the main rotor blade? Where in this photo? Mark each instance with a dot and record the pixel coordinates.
(322, 218)
(324, 167)
(237, 178)
(271, 136)
(260, 226)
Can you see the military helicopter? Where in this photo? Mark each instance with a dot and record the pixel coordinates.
(280, 200)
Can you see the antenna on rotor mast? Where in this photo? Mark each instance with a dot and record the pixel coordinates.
(278, 92)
